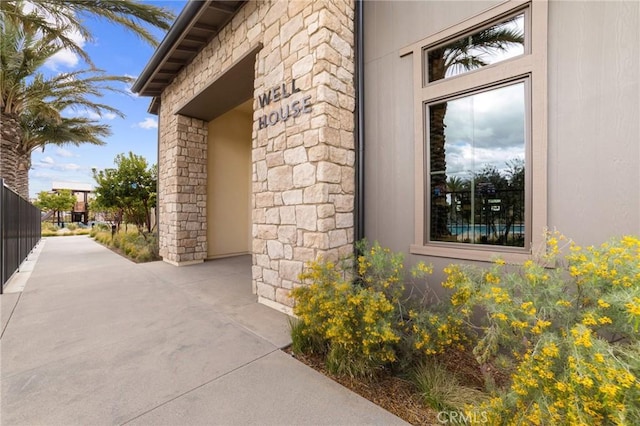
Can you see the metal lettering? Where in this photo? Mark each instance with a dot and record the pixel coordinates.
(306, 104)
(273, 120)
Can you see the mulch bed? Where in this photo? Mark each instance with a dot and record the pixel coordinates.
(394, 394)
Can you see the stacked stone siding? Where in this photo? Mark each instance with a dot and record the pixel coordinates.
(303, 168)
(182, 190)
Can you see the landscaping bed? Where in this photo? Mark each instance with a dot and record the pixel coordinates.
(128, 242)
(551, 340)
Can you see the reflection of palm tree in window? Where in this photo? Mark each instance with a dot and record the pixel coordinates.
(479, 49)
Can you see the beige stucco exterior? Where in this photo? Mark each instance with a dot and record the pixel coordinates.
(593, 105)
(229, 183)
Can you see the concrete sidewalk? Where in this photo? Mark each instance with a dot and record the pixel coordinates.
(96, 339)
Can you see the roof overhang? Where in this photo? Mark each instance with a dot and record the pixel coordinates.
(233, 87)
(196, 25)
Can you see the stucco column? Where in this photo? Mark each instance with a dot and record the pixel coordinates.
(182, 178)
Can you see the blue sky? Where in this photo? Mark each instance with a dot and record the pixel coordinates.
(118, 53)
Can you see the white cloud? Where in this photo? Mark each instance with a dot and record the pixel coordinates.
(92, 115)
(61, 152)
(69, 167)
(128, 86)
(49, 163)
(148, 123)
(64, 58)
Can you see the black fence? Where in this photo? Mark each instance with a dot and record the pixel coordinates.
(484, 217)
(19, 231)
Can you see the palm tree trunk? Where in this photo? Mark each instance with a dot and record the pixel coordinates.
(22, 175)
(10, 135)
(438, 166)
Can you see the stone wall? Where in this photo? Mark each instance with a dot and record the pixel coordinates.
(303, 167)
(182, 190)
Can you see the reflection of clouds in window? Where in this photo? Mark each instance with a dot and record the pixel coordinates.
(461, 160)
(485, 128)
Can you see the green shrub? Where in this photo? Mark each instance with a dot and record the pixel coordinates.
(48, 227)
(71, 226)
(441, 389)
(569, 327)
(138, 247)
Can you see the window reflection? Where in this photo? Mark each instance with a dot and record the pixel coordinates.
(477, 168)
(484, 47)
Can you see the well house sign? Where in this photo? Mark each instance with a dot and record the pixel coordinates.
(291, 110)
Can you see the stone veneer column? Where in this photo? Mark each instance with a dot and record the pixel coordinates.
(182, 189)
(303, 169)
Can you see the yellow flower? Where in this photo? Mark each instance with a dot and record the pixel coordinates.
(589, 319)
(609, 390)
(500, 316)
(540, 326)
(603, 304)
(492, 279)
(604, 320)
(633, 307)
(582, 338)
(519, 324)
(528, 308)
(550, 350)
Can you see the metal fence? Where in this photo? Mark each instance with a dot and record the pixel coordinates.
(486, 217)
(19, 231)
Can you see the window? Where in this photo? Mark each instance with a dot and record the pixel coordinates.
(480, 126)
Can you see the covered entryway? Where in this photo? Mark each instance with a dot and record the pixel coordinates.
(227, 107)
(229, 183)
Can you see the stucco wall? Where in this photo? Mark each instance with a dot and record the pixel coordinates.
(302, 168)
(593, 107)
(594, 119)
(229, 184)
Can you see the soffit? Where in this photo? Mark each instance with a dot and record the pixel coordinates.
(196, 25)
(232, 88)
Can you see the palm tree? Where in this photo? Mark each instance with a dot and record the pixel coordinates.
(32, 105)
(464, 54)
(30, 33)
(58, 18)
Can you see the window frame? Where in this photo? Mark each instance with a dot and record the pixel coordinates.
(531, 66)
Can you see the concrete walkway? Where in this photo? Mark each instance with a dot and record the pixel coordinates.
(96, 339)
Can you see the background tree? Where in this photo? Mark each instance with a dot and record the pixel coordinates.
(32, 32)
(130, 188)
(507, 186)
(55, 202)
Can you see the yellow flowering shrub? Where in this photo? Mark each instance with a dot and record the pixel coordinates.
(358, 316)
(353, 323)
(570, 326)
